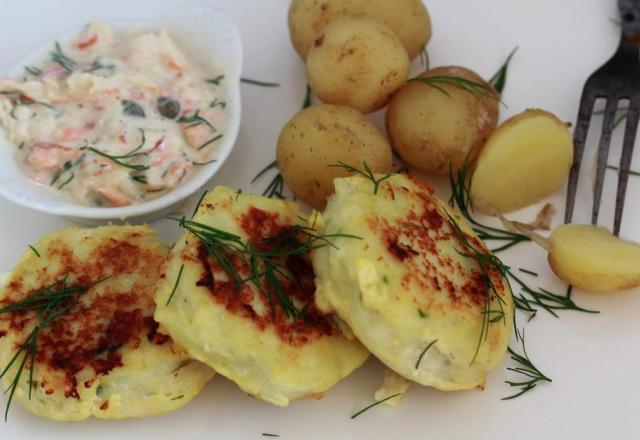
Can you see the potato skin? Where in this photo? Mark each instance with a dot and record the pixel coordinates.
(527, 158)
(431, 131)
(322, 135)
(409, 19)
(358, 62)
(591, 258)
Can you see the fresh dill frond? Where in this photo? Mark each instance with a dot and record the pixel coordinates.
(532, 376)
(33, 70)
(474, 88)
(275, 188)
(486, 262)
(259, 83)
(528, 272)
(175, 286)
(200, 164)
(425, 351)
(460, 199)
(210, 141)
(266, 434)
(367, 173)
(59, 57)
(631, 172)
(499, 79)
(194, 120)
(132, 108)
(195, 210)
(35, 251)
(376, 403)
(215, 81)
(122, 159)
(266, 268)
(217, 103)
(48, 303)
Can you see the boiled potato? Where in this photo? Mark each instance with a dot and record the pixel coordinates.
(527, 158)
(323, 135)
(433, 127)
(409, 20)
(591, 258)
(358, 62)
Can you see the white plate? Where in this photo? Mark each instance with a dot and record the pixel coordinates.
(593, 360)
(204, 33)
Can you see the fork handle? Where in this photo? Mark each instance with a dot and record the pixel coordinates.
(630, 17)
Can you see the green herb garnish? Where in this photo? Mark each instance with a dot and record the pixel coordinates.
(528, 272)
(204, 193)
(215, 81)
(368, 173)
(178, 397)
(276, 185)
(204, 163)
(460, 182)
(33, 70)
(424, 351)
(210, 141)
(58, 56)
(631, 172)
(266, 434)
(194, 120)
(499, 79)
(266, 268)
(48, 303)
(378, 402)
(474, 88)
(532, 375)
(259, 83)
(122, 159)
(175, 286)
(215, 103)
(35, 251)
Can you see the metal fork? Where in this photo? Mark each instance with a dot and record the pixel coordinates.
(618, 78)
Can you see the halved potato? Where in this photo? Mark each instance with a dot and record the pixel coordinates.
(591, 258)
(527, 158)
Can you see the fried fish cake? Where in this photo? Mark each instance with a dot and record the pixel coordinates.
(239, 297)
(86, 297)
(409, 289)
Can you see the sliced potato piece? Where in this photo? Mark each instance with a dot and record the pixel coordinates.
(527, 158)
(593, 259)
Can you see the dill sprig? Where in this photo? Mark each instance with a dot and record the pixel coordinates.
(215, 103)
(460, 182)
(259, 83)
(33, 70)
(59, 57)
(266, 268)
(499, 79)
(48, 303)
(624, 112)
(486, 262)
(34, 250)
(367, 173)
(175, 286)
(210, 141)
(267, 434)
(631, 172)
(132, 108)
(530, 300)
(275, 188)
(532, 375)
(122, 160)
(376, 403)
(425, 350)
(215, 81)
(474, 88)
(194, 120)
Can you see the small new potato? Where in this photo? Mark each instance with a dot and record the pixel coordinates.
(527, 158)
(323, 135)
(593, 259)
(357, 61)
(437, 126)
(409, 19)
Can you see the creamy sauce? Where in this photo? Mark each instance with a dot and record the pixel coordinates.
(113, 119)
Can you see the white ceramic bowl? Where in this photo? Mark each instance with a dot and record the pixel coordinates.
(201, 31)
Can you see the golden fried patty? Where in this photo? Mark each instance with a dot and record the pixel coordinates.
(99, 352)
(267, 337)
(406, 290)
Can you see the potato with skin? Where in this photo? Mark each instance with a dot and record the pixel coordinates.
(527, 158)
(409, 19)
(593, 259)
(358, 62)
(433, 127)
(324, 135)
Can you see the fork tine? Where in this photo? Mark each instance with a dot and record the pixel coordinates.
(631, 128)
(603, 154)
(579, 137)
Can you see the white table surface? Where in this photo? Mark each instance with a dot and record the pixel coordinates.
(593, 359)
